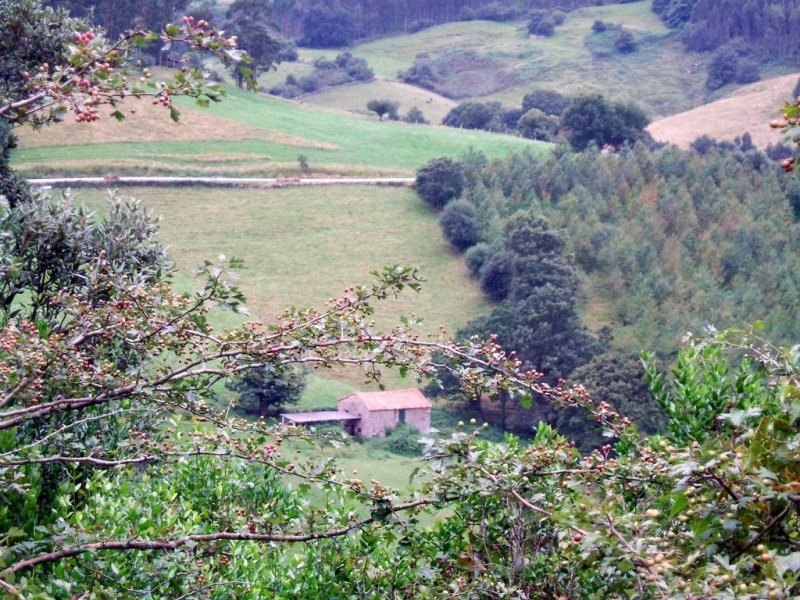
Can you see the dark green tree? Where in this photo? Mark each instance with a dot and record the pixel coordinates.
(591, 118)
(264, 389)
(329, 27)
(538, 319)
(250, 20)
(414, 115)
(439, 181)
(624, 42)
(618, 379)
(33, 35)
(550, 102)
(476, 115)
(459, 224)
(541, 23)
(385, 109)
(496, 273)
(536, 125)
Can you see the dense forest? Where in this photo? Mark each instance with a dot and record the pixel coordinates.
(769, 28)
(656, 243)
(376, 17)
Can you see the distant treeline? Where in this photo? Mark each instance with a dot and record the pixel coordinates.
(770, 27)
(376, 17)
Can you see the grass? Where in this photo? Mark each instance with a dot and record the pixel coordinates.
(747, 109)
(257, 135)
(659, 75)
(302, 246)
(354, 98)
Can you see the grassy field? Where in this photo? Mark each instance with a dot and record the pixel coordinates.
(302, 246)
(355, 97)
(747, 109)
(660, 75)
(248, 134)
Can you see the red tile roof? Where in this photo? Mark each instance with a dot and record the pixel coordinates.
(393, 400)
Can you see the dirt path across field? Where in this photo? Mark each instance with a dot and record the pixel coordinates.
(264, 182)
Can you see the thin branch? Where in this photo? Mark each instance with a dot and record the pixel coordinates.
(761, 534)
(212, 585)
(171, 545)
(11, 590)
(97, 462)
(60, 430)
(655, 576)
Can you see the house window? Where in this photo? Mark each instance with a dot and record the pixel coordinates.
(401, 418)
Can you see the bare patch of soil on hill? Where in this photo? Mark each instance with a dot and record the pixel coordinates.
(748, 109)
(152, 124)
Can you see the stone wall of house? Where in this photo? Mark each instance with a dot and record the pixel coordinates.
(419, 418)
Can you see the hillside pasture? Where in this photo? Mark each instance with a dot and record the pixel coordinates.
(748, 109)
(354, 98)
(248, 134)
(302, 246)
(661, 75)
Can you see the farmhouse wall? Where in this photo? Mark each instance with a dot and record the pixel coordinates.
(380, 412)
(419, 418)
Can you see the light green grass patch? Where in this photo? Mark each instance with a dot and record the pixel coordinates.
(302, 246)
(354, 98)
(333, 142)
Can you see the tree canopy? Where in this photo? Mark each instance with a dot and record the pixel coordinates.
(592, 119)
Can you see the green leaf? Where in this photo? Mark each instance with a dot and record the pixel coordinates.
(681, 502)
(790, 562)
(174, 114)
(119, 116)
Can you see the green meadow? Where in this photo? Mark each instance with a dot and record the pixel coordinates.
(251, 134)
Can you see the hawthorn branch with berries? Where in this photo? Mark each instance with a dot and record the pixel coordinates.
(97, 72)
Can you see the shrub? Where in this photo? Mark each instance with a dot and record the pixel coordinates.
(496, 275)
(384, 107)
(599, 26)
(558, 16)
(288, 52)
(459, 224)
(497, 11)
(419, 25)
(404, 440)
(415, 115)
(536, 125)
(467, 14)
(310, 83)
(698, 38)
(423, 73)
(477, 256)
(747, 71)
(548, 101)
(624, 42)
(545, 26)
(439, 181)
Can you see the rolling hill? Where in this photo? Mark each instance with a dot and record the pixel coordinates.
(500, 61)
(748, 109)
(248, 134)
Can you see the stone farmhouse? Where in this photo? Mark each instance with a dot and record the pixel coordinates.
(372, 414)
